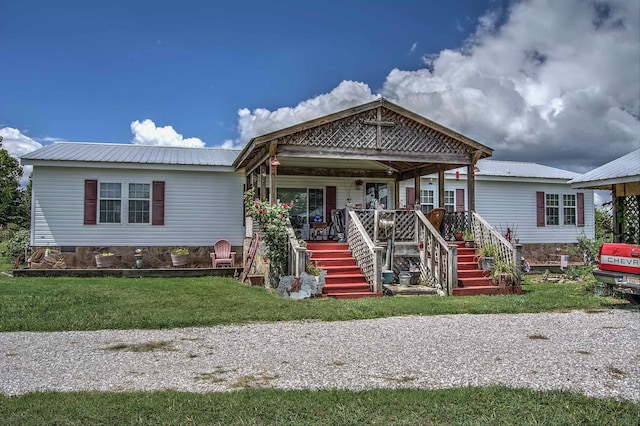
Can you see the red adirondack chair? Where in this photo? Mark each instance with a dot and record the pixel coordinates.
(222, 254)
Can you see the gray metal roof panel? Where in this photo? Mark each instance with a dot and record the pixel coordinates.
(623, 167)
(519, 169)
(141, 154)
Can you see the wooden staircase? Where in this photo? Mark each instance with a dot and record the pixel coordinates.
(343, 280)
(472, 281)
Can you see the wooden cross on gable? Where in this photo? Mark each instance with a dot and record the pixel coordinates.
(379, 124)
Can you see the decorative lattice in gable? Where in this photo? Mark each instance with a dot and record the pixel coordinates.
(398, 133)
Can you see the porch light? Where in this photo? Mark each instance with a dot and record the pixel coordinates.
(275, 161)
(389, 171)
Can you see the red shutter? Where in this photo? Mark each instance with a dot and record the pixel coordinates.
(331, 202)
(90, 201)
(539, 208)
(580, 202)
(459, 200)
(411, 198)
(157, 213)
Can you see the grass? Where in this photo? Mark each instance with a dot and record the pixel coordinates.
(462, 406)
(55, 304)
(59, 304)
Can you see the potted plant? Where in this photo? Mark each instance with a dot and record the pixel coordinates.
(359, 183)
(313, 268)
(458, 234)
(104, 260)
(179, 256)
(467, 236)
(503, 273)
(486, 255)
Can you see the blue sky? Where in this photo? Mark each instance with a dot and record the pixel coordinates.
(537, 80)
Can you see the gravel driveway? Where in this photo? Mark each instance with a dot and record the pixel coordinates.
(597, 354)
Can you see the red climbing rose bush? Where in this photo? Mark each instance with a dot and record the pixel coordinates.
(272, 222)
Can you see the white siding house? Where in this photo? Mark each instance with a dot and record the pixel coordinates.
(201, 198)
(536, 202)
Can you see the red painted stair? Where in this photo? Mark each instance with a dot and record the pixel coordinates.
(343, 280)
(472, 281)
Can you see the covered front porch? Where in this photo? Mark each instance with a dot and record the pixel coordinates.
(343, 173)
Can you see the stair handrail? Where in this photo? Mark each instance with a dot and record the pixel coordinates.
(485, 234)
(297, 258)
(438, 259)
(368, 256)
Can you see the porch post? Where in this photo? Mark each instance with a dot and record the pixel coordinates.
(615, 205)
(471, 188)
(273, 177)
(441, 189)
(396, 192)
(416, 185)
(263, 182)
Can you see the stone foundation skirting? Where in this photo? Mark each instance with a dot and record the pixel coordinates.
(123, 257)
(549, 253)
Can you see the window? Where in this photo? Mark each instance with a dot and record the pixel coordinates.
(560, 209)
(308, 204)
(552, 209)
(569, 209)
(449, 201)
(110, 202)
(139, 202)
(376, 195)
(426, 200)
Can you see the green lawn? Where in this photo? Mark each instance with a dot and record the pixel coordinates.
(463, 406)
(57, 304)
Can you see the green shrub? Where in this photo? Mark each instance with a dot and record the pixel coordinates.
(16, 245)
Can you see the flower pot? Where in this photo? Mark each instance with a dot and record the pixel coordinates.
(387, 276)
(503, 280)
(469, 244)
(103, 262)
(404, 278)
(458, 236)
(485, 263)
(256, 279)
(179, 259)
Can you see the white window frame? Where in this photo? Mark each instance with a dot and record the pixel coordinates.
(124, 199)
(427, 200)
(107, 197)
(136, 200)
(450, 201)
(569, 210)
(565, 207)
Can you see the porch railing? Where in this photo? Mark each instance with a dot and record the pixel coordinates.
(297, 254)
(368, 256)
(438, 263)
(484, 234)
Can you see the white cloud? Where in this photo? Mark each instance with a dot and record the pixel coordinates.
(557, 83)
(261, 121)
(550, 81)
(18, 144)
(146, 133)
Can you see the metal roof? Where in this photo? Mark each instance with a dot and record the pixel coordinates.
(129, 153)
(519, 169)
(622, 170)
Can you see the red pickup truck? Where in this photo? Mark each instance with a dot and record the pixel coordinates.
(619, 267)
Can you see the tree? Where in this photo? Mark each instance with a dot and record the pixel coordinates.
(11, 196)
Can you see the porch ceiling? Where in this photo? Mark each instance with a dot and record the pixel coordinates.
(364, 141)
